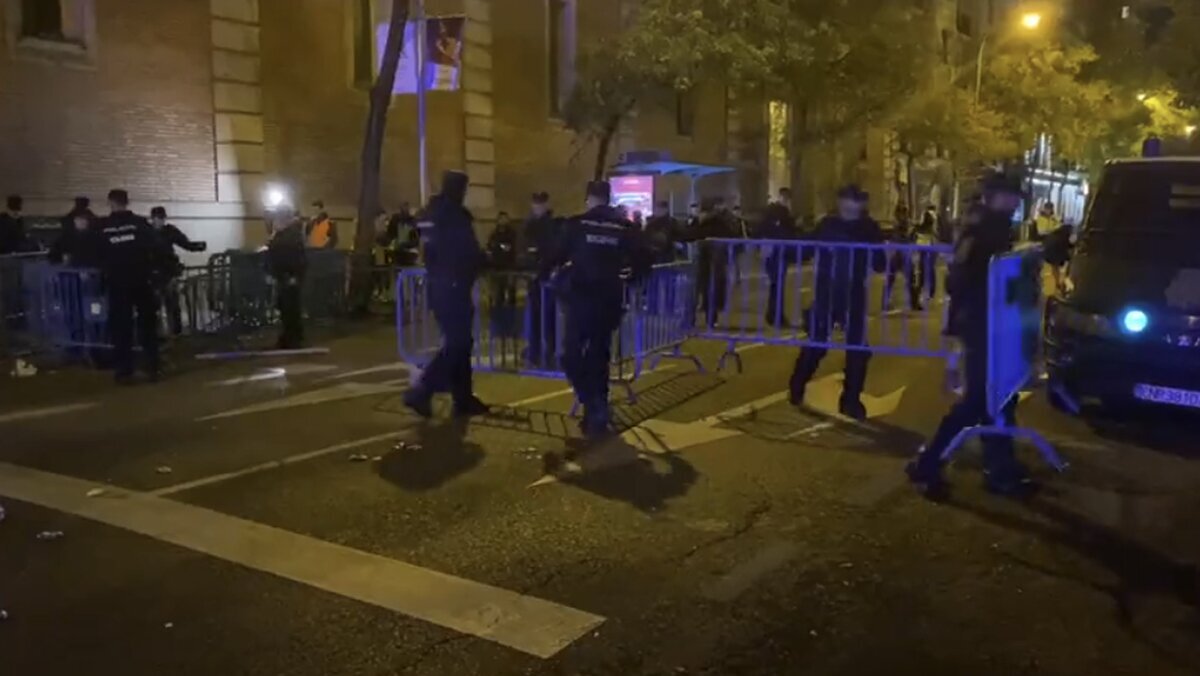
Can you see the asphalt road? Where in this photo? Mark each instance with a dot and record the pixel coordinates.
(261, 518)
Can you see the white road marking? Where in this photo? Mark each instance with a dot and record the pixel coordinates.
(33, 413)
(525, 623)
(329, 394)
(277, 464)
(811, 429)
(382, 368)
(745, 575)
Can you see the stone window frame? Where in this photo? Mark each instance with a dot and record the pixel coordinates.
(80, 52)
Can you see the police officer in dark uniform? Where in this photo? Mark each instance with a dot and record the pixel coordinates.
(595, 250)
(712, 277)
(662, 231)
(841, 297)
(538, 238)
(502, 257)
(169, 266)
(778, 224)
(453, 259)
(126, 246)
(287, 263)
(986, 234)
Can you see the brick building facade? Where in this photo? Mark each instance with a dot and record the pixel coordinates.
(196, 104)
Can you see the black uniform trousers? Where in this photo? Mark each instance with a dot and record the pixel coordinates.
(969, 411)
(450, 370)
(777, 270)
(903, 264)
(852, 317)
(129, 299)
(289, 302)
(587, 346)
(713, 281)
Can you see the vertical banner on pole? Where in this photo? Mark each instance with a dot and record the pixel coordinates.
(441, 67)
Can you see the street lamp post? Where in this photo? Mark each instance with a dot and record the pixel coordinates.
(1030, 21)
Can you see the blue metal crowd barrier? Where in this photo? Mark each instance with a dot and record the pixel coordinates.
(519, 323)
(1014, 339)
(830, 295)
(65, 308)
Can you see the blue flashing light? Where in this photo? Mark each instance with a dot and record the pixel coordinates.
(1135, 321)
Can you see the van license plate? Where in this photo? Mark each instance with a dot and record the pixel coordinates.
(1167, 395)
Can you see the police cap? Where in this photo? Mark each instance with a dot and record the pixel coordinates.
(158, 212)
(1002, 182)
(601, 190)
(540, 197)
(852, 192)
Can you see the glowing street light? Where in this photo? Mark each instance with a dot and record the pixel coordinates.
(1031, 20)
(1190, 129)
(1142, 96)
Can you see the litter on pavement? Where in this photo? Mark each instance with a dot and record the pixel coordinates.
(48, 535)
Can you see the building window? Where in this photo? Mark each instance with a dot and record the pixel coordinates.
(561, 40)
(61, 30)
(685, 112)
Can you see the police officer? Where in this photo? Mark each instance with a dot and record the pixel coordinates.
(538, 238)
(986, 234)
(126, 247)
(287, 263)
(712, 278)
(662, 231)
(453, 259)
(502, 256)
(169, 266)
(778, 224)
(841, 297)
(594, 250)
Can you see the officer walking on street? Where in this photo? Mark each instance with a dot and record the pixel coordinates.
(538, 239)
(841, 298)
(287, 263)
(594, 251)
(453, 259)
(126, 248)
(986, 235)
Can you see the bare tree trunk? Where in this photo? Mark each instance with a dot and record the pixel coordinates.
(372, 158)
(603, 146)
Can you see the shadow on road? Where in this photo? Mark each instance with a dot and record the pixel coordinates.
(617, 471)
(1163, 430)
(441, 452)
(1141, 572)
(651, 403)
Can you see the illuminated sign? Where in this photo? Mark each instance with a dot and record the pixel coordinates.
(635, 193)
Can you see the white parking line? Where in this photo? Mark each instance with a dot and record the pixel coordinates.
(525, 623)
(276, 464)
(30, 414)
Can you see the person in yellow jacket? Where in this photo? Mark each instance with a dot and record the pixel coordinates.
(321, 231)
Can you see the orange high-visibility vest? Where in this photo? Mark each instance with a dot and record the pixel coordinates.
(318, 237)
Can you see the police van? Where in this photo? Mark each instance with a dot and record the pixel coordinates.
(1125, 327)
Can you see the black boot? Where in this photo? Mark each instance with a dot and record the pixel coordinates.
(1010, 482)
(852, 407)
(928, 482)
(419, 402)
(470, 406)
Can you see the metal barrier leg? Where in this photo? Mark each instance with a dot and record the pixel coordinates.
(730, 351)
(1045, 448)
(678, 353)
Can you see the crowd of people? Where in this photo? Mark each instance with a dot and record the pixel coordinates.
(137, 257)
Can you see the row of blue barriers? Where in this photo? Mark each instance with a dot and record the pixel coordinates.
(880, 298)
(519, 323)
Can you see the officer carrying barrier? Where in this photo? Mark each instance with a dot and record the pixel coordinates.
(825, 295)
(519, 323)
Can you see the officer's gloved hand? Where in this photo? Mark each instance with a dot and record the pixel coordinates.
(203, 246)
